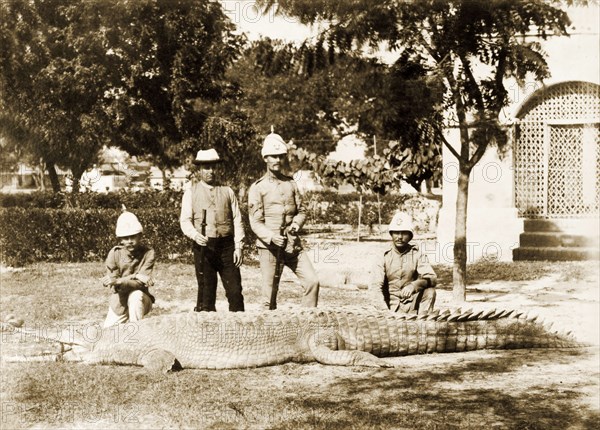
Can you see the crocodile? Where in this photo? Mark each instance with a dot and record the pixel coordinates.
(337, 337)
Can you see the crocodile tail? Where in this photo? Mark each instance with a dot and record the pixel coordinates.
(389, 334)
(504, 333)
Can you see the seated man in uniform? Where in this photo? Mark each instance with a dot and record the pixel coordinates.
(403, 280)
(129, 269)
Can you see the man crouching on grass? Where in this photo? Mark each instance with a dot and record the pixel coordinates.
(129, 273)
(403, 280)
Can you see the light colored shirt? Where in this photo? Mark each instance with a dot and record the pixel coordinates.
(223, 216)
(394, 270)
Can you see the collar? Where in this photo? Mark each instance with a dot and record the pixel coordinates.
(409, 248)
(138, 252)
(205, 185)
(273, 176)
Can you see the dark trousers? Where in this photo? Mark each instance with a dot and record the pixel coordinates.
(218, 258)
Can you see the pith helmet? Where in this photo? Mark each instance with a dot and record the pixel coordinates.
(273, 145)
(128, 225)
(207, 156)
(401, 222)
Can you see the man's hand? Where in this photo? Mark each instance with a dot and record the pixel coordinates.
(407, 291)
(293, 229)
(278, 240)
(200, 239)
(107, 281)
(238, 257)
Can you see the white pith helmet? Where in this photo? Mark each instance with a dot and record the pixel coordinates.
(273, 145)
(207, 156)
(128, 225)
(401, 222)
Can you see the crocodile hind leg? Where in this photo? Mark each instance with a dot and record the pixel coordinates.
(159, 360)
(325, 355)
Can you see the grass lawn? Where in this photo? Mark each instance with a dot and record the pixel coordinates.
(524, 389)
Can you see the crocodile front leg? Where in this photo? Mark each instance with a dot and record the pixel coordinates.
(325, 355)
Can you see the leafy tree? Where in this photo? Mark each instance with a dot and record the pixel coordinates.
(171, 58)
(283, 86)
(238, 145)
(455, 38)
(315, 94)
(52, 77)
(143, 75)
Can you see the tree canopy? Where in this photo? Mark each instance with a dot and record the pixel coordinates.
(53, 82)
(171, 59)
(76, 75)
(315, 94)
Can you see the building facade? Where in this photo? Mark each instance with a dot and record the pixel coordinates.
(539, 200)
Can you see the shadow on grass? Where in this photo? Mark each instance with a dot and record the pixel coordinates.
(398, 399)
(465, 394)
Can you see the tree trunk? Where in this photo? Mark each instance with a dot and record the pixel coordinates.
(39, 176)
(242, 194)
(359, 217)
(378, 214)
(460, 238)
(77, 173)
(166, 181)
(53, 177)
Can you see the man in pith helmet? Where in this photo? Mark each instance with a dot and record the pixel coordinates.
(129, 269)
(224, 234)
(403, 280)
(276, 216)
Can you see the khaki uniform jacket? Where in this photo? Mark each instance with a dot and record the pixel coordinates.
(394, 270)
(270, 199)
(139, 266)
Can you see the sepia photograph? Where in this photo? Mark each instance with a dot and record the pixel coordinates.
(299, 214)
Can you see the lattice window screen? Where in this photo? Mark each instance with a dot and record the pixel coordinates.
(550, 168)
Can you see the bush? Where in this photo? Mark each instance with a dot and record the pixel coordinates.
(75, 235)
(52, 227)
(58, 235)
(169, 199)
(332, 208)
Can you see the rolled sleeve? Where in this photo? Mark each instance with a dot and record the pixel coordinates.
(238, 226)
(426, 273)
(186, 217)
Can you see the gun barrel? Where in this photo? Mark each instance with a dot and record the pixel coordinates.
(200, 272)
(279, 260)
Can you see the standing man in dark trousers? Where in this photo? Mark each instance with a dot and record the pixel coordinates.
(224, 234)
(276, 215)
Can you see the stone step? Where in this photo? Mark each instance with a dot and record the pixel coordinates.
(556, 239)
(585, 226)
(555, 254)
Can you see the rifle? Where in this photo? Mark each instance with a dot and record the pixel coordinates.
(278, 266)
(200, 274)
